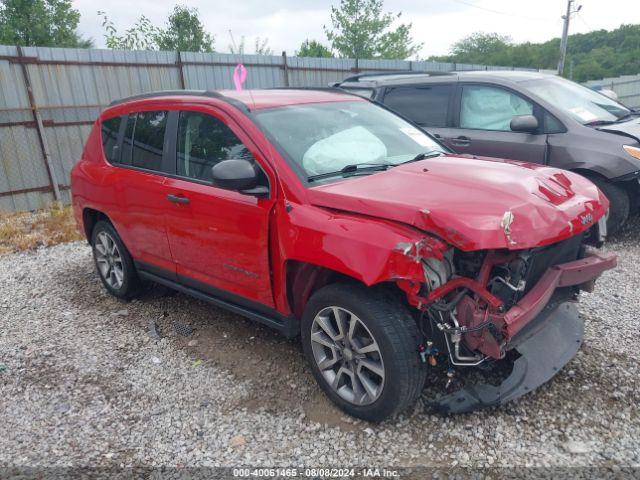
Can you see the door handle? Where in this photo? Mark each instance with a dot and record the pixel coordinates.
(437, 135)
(177, 199)
(461, 141)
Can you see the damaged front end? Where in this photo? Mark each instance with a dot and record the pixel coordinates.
(480, 307)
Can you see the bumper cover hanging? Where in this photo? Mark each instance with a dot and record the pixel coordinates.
(544, 347)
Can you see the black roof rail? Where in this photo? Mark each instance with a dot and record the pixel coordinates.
(193, 93)
(355, 78)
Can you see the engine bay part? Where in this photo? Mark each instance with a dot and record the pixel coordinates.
(475, 318)
(438, 272)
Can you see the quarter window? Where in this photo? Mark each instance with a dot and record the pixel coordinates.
(203, 141)
(491, 108)
(552, 124)
(427, 106)
(110, 129)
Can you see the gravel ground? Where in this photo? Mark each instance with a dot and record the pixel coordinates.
(87, 380)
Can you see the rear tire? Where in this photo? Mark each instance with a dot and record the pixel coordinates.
(620, 204)
(113, 261)
(370, 366)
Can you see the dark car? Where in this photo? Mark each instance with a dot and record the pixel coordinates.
(526, 116)
(321, 214)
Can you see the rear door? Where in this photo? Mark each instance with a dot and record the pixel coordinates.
(219, 238)
(429, 106)
(140, 190)
(483, 115)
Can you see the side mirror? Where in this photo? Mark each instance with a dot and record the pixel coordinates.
(238, 175)
(524, 123)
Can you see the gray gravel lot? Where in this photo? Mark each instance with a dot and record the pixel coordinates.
(84, 380)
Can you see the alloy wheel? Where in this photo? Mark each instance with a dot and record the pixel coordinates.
(109, 260)
(347, 355)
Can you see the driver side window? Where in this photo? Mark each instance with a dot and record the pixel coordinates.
(204, 141)
(490, 108)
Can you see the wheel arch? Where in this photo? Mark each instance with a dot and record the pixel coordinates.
(588, 173)
(90, 217)
(303, 279)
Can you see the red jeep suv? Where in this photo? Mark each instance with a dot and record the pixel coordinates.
(324, 215)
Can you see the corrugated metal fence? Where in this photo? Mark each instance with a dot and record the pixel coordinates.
(49, 97)
(627, 87)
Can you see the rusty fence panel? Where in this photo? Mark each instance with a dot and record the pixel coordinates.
(50, 97)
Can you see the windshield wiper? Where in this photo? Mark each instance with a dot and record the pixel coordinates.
(600, 123)
(352, 169)
(424, 156)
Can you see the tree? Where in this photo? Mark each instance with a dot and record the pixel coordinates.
(45, 23)
(478, 46)
(261, 46)
(362, 30)
(590, 56)
(313, 48)
(143, 35)
(185, 32)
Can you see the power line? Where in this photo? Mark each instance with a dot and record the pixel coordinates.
(508, 14)
(581, 18)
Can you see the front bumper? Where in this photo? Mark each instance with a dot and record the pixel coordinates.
(579, 273)
(543, 350)
(544, 328)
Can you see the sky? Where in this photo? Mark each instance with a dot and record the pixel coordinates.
(436, 23)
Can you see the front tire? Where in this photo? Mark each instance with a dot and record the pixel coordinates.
(362, 346)
(620, 204)
(113, 261)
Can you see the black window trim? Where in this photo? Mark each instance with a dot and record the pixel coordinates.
(169, 149)
(538, 110)
(123, 125)
(172, 156)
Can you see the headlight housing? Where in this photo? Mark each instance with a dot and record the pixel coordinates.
(633, 151)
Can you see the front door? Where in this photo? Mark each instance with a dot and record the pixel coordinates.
(219, 238)
(483, 125)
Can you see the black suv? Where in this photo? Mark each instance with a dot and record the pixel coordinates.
(526, 116)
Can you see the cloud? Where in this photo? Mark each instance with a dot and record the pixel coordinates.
(436, 23)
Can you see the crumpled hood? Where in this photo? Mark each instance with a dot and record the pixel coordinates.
(473, 203)
(629, 129)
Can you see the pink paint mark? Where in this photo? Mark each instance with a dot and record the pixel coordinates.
(239, 76)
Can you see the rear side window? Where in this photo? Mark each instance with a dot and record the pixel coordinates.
(203, 141)
(144, 140)
(110, 129)
(426, 105)
(127, 141)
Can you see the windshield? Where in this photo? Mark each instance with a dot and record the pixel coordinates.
(322, 138)
(586, 106)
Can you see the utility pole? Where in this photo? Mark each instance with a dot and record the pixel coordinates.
(565, 34)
